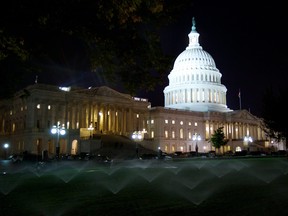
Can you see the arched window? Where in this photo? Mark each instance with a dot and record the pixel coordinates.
(181, 133)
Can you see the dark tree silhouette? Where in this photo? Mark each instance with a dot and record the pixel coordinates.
(275, 113)
(119, 41)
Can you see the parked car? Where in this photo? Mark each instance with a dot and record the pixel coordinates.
(16, 158)
(212, 154)
(164, 156)
(228, 153)
(148, 156)
(241, 153)
(282, 153)
(167, 157)
(179, 154)
(84, 156)
(102, 159)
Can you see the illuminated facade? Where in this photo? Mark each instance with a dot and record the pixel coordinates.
(174, 130)
(195, 106)
(27, 118)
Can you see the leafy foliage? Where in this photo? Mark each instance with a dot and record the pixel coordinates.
(120, 40)
(274, 113)
(218, 139)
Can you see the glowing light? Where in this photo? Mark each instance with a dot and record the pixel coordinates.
(137, 136)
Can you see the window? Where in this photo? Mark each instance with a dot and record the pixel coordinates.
(166, 133)
(166, 121)
(173, 134)
(166, 148)
(181, 133)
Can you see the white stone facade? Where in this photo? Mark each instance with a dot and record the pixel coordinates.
(195, 104)
(26, 121)
(28, 117)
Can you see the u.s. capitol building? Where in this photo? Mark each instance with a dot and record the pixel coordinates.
(195, 106)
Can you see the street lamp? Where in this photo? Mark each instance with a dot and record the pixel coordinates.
(159, 153)
(90, 128)
(59, 130)
(137, 136)
(247, 140)
(196, 137)
(6, 146)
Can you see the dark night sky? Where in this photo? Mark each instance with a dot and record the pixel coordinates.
(247, 41)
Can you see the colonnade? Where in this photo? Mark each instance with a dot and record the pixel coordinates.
(194, 95)
(106, 118)
(235, 130)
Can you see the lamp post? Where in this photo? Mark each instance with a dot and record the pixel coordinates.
(6, 146)
(159, 153)
(59, 130)
(90, 128)
(137, 136)
(204, 148)
(196, 137)
(248, 139)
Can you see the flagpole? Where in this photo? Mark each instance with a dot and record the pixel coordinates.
(239, 95)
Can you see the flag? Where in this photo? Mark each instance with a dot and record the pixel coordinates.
(239, 95)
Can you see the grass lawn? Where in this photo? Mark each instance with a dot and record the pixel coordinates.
(245, 186)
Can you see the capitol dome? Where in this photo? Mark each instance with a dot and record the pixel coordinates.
(194, 57)
(195, 81)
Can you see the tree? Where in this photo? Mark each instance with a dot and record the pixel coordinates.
(218, 138)
(274, 113)
(117, 41)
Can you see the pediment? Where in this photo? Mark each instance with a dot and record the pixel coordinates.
(104, 91)
(244, 114)
(108, 92)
